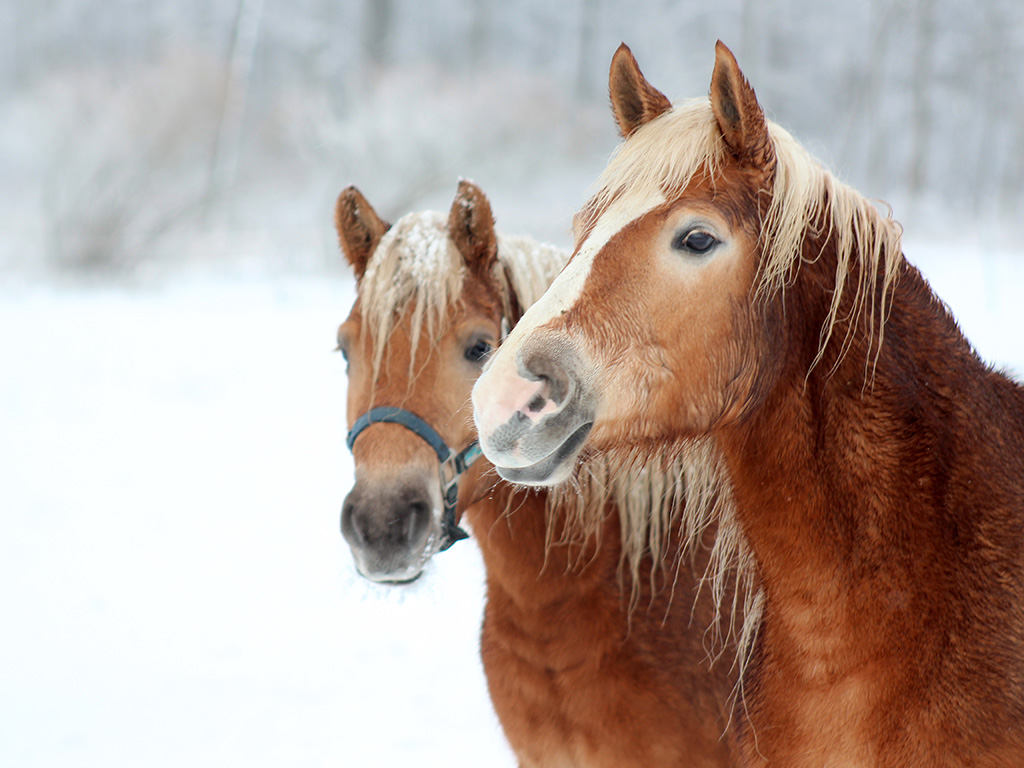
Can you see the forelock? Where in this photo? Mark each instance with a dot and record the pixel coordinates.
(417, 269)
(661, 157)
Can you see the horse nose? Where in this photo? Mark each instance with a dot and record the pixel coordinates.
(366, 524)
(387, 531)
(525, 400)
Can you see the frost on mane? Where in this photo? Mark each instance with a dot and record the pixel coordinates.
(420, 243)
(417, 268)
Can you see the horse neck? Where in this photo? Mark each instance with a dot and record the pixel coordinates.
(586, 582)
(522, 557)
(861, 485)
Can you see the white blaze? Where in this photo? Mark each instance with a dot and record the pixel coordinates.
(501, 392)
(568, 286)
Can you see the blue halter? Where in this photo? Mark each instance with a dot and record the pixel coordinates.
(452, 466)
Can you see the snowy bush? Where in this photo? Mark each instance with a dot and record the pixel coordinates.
(125, 157)
(409, 134)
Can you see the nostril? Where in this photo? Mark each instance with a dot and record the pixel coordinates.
(538, 366)
(418, 522)
(350, 528)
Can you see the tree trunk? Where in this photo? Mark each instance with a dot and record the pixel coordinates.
(922, 118)
(227, 144)
(377, 31)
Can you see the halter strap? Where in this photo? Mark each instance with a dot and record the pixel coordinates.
(452, 466)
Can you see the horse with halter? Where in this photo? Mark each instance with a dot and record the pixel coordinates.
(595, 652)
(728, 297)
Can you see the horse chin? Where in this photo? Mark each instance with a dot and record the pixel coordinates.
(396, 567)
(392, 579)
(556, 468)
(395, 574)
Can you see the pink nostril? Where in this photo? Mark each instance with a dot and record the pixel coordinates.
(545, 369)
(518, 391)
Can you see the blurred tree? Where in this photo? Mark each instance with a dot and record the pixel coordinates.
(904, 97)
(227, 142)
(922, 123)
(377, 23)
(479, 42)
(587, 62)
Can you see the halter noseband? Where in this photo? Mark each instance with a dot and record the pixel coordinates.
(452, 466)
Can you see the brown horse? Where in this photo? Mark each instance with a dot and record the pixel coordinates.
(582, 672)
(726, 290)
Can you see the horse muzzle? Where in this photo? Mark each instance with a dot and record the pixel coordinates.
(392, 530)
(532, 411)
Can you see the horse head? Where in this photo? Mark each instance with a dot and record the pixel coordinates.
(426, 316)
(434, 295)
(668, 322)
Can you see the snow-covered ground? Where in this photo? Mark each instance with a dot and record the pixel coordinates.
(175, 588)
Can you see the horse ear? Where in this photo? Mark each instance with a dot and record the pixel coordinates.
(739, 116)
(634, 100)
(471, 226)
(359, 228)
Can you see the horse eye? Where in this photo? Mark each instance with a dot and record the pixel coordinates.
(344, 354)
(695, 241)
(478, 351)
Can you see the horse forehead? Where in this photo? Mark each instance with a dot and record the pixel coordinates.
(568, 286)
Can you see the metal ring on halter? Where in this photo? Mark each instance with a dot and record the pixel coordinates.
(451, 468)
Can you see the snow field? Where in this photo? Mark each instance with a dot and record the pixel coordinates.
(176, 589)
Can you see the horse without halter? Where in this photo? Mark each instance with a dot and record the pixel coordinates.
(728, 291)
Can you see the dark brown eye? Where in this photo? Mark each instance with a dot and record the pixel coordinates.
(694, 241)
(478, 351)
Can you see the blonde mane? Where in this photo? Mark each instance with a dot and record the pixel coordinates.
(417, 268)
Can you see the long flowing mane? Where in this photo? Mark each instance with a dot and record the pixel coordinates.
(417, 268)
